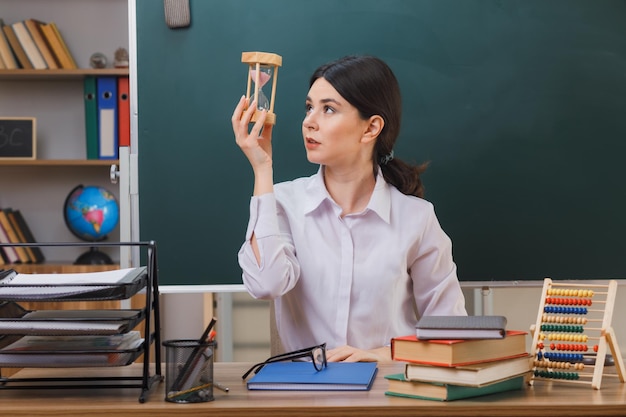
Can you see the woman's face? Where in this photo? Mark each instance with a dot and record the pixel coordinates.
(332, 128)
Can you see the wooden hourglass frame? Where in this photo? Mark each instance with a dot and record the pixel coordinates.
(570, 317)
(255, 61)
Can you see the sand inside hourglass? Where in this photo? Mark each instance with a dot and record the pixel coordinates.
(264, 77)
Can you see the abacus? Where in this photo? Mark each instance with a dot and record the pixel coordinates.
(572, 332)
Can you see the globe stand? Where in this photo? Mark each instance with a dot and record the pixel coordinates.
(94, 257)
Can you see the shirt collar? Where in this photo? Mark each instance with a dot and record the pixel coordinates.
(380, 202)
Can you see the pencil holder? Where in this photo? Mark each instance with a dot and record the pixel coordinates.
(189, 371)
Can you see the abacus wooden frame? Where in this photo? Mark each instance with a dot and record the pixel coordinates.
(606, 337)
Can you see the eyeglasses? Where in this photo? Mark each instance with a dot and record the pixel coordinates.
(316, 353)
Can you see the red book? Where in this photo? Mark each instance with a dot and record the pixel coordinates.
(123, 105)
(458, 352)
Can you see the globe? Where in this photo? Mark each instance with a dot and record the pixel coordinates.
(91, 213)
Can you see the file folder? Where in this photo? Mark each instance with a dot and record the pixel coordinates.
(108, 140)
(123, 105)
(91, 117)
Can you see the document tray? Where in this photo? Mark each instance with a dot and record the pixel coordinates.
(70, 359)
(15, 320)
(123, 289)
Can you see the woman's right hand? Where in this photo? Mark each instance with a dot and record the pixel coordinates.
(256, 143)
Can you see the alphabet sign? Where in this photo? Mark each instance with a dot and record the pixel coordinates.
(18, 137)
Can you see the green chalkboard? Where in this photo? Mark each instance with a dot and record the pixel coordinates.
(520, 107)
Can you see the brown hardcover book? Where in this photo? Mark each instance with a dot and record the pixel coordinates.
(9, 252)
(13, 237)
(16, 46)
(36, 33)
(5, 50)
(55, 28)
(20, 234)
(65, 61)
(28, 235)
(458, 352)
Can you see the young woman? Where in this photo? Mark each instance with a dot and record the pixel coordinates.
(352, 256)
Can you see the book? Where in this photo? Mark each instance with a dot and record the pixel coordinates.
(13, 238)
(34, 28)
(458, 351)
(337, 376)
(58, 35)
(20, 234)
(23, 35)
(57, 46)
(28, 235)
(400, 387)
(5, 50)
(16, 46)
(461, 327)
(91, 117)
(108, 140)
(123, 106)
(468, 375)
(2, 63)
(9, 253)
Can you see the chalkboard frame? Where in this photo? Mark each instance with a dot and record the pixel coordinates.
(27, 149)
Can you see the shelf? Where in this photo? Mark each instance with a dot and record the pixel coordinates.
(58, 162)
(60, 74)
(58, 267)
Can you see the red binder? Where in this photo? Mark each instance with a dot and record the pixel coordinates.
(123, 105)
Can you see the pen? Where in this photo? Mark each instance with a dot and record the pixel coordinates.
(221, 387)
(176, 394)
(193, 357)
(216, 385)
(207, 331)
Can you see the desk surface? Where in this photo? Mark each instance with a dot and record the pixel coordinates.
(543, 398)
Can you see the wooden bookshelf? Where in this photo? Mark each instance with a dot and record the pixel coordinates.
(58, 162)
(55, 98)
(59, 74)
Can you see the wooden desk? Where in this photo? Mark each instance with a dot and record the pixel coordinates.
(543, 399)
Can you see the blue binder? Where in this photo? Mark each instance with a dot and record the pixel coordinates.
(108, 140)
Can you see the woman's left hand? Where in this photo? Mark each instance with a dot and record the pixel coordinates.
(351, 354)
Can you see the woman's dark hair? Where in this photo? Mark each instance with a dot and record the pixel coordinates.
(369, 84)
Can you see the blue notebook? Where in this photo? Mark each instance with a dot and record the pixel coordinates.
(337, 376)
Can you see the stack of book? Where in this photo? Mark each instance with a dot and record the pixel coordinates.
(14, 229)
(33, 44)
(487, 359)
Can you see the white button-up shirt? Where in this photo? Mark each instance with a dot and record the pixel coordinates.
(354, 280)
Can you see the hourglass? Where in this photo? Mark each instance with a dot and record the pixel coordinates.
(263, 66)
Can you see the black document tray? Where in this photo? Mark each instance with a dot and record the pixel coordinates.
(123, 289)
(66, 358)
(15, 320)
